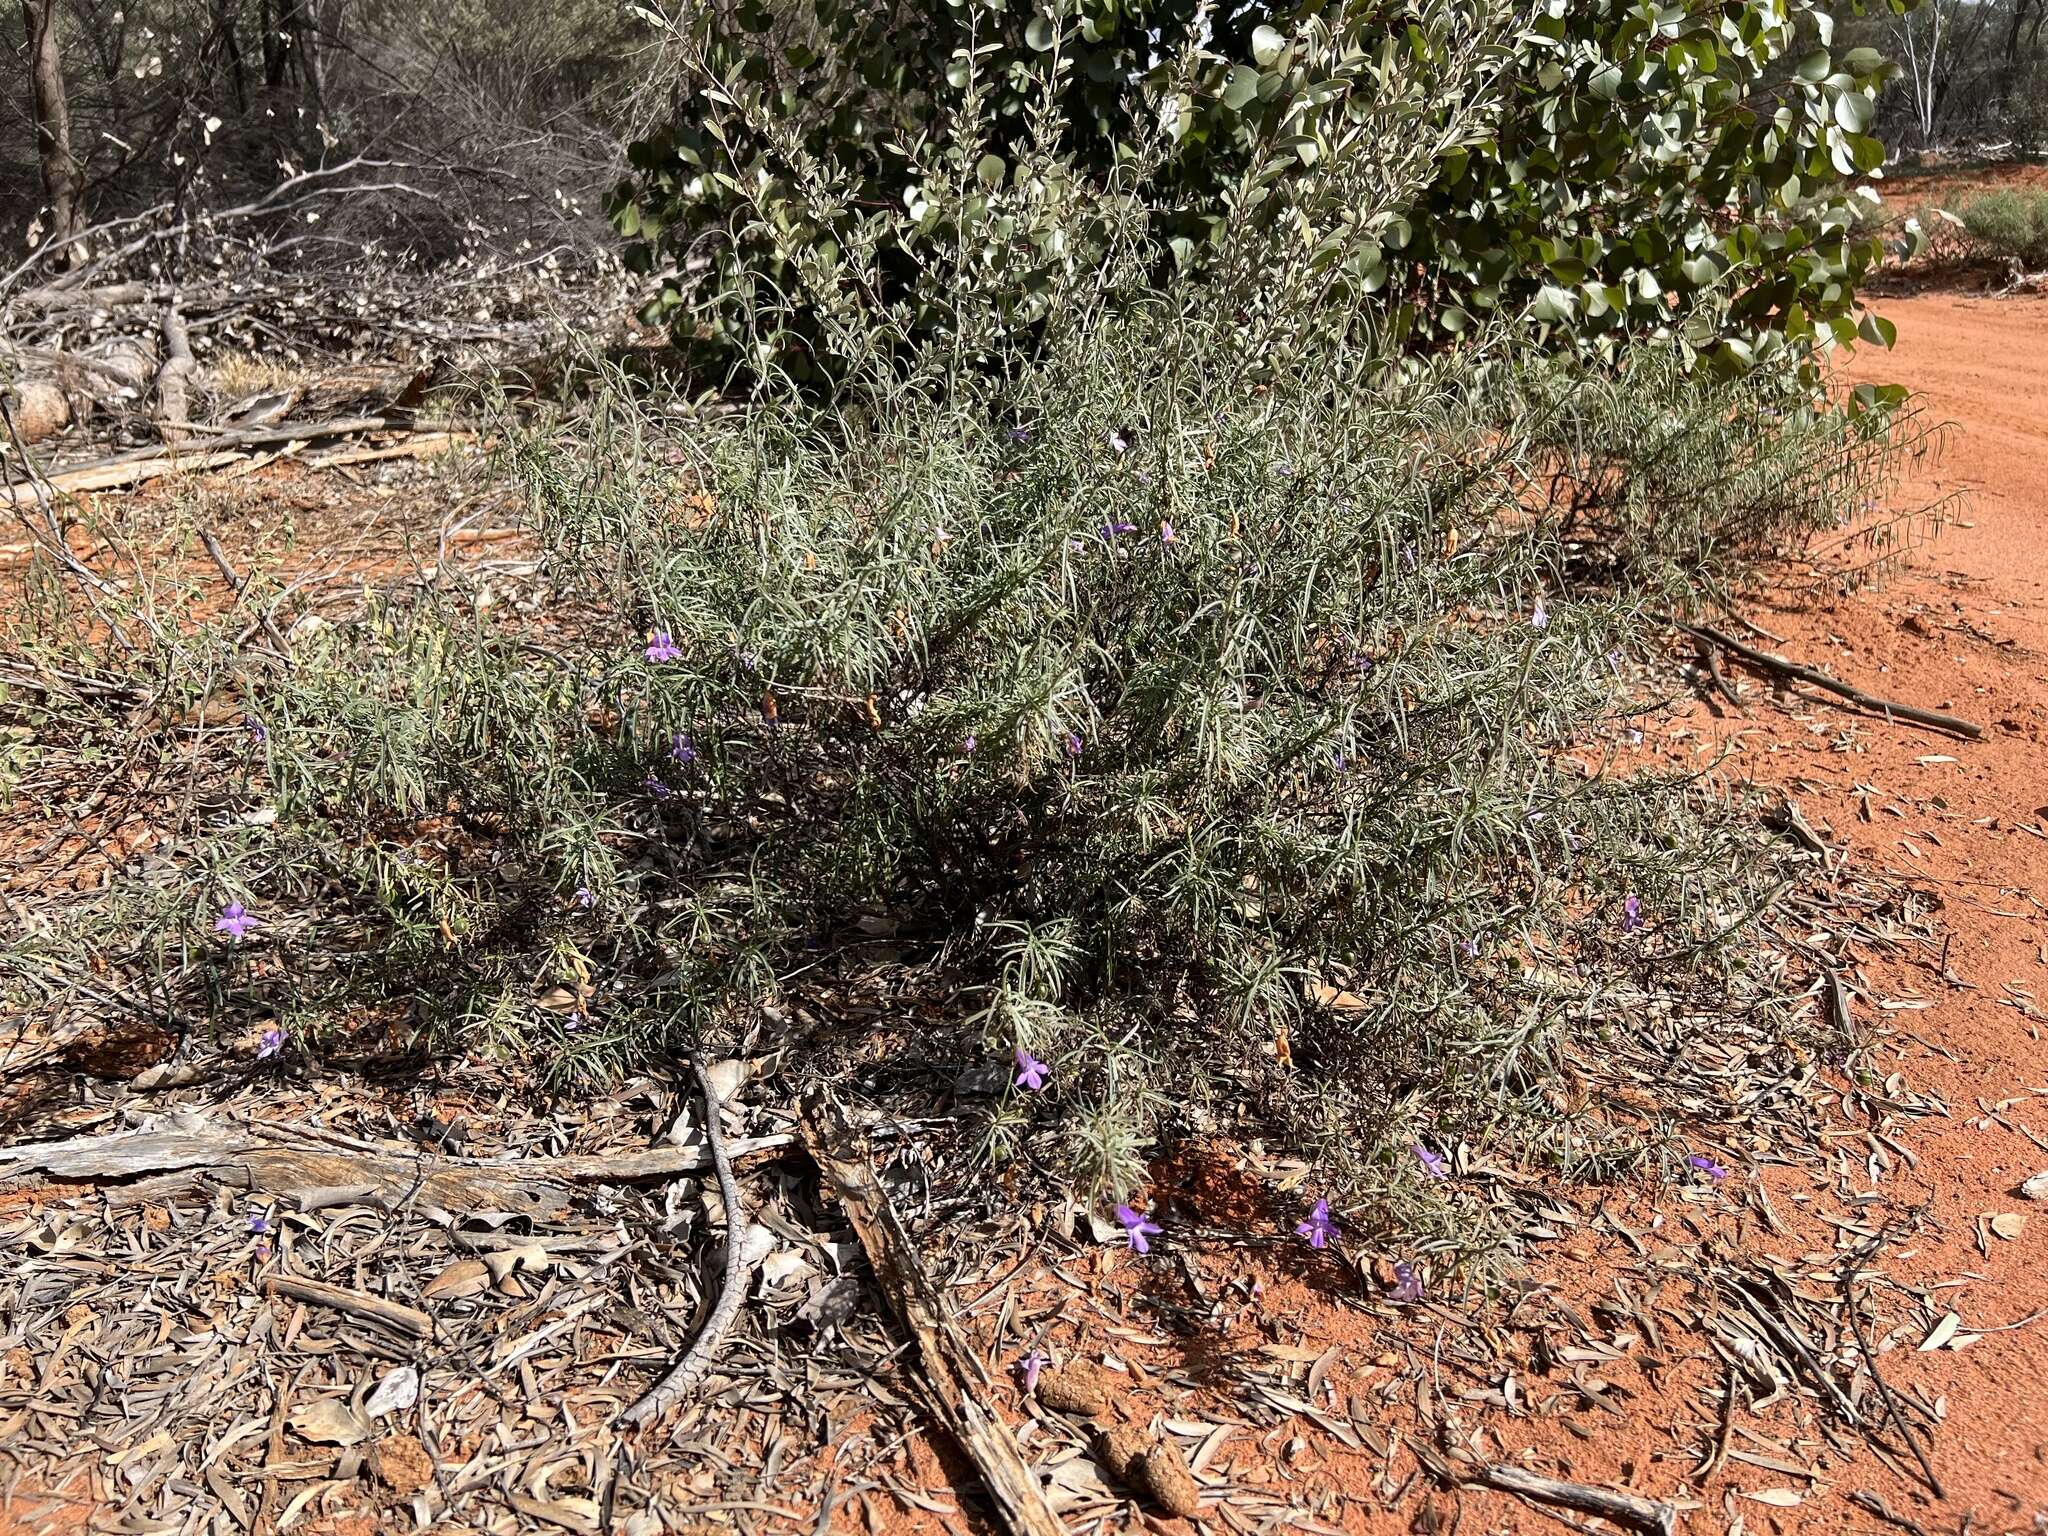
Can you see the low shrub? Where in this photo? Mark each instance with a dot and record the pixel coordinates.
(2011, 222)
(1222, 736)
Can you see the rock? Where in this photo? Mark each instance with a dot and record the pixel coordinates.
(2036, 1188)
(1163, 1473)
(40, 409)
(402, 1464)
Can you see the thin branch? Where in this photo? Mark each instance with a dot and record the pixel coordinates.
(1891, 709)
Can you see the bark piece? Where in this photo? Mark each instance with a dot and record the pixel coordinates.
(247, 1159)
(957, 1385)
(392, 1314)
(1647, 1515)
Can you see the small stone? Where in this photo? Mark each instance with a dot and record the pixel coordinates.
(402, 1464)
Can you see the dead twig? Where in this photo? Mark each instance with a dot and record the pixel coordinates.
(52, 539)
(1628, 1509)
(1875, 1505)
(1891, 1404)
(957, 1382)
(1891, 709)
(667, 1392)
(237, 585)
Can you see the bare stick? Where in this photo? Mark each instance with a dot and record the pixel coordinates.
(1891, 1405)
(1628, 1509)
(669, 1390)
(1891, 709)
(237, 585)
(1864, 1499)
(53, 539)
(392, 1314)
(956, 1380)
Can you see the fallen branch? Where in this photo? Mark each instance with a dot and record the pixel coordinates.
(667, 1392)
(1891, 709)
(959, 1388)
(392, 1314)
(219, 450)
(1650, 1515)
(257, 1160)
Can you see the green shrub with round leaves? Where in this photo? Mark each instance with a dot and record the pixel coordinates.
(1606, 168)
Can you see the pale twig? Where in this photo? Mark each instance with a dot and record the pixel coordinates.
(667, 1392)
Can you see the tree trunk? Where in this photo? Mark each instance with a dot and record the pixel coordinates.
(61, 181)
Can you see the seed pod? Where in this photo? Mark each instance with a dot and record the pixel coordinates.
(1163, 1472)
(1075, 1389)
(1120, 1448)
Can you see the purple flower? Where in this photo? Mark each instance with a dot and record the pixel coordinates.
(1469, 947)
(656, 788)
(1019, 434)
(257, 733)
(662, 648)
(1167, 535)
(1438, 1168)
(1540, 617)
(1635, 736)
(968, 744)
(1122, 445)
(1137, 1228)
(1631, 913)
(1031, 1365)
(1284, 470)
(1318, 1229)
(234, 920)
(573, 1021)
(681, 748)
(584, 899)
(1704, 1164)
(1031, 1072)
(269, 1043)
(258, 1222)
(1073, 745)
(1114, 530)
(1407, 1283)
